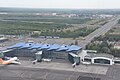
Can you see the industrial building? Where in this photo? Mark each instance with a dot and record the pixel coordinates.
(45, 51)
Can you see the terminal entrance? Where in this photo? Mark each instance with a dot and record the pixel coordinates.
(102, 61)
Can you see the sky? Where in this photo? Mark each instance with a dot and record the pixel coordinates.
(74, 4)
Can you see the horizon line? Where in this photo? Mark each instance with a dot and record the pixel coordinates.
(64, 8)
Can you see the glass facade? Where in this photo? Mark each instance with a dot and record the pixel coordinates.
(73, 59)
(55, 54)
(39, 56)
(29, 54)
(117, 62)
(87, 60)
(102, 61)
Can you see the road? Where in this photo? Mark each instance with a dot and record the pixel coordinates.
(100, 31)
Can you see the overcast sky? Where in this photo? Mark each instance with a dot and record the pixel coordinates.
(77, 4)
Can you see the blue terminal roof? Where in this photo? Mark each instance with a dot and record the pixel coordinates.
(54, 47)
(74, 48)
(45, 46)
(27, 45)
(63, 47)
(36, 46)
(17, 45)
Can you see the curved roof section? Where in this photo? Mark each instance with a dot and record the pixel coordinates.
(27, 45)
(104, 55)
(63, 47)
(54, 47)
(74, 48)
(45, 46)
(35, 46)
(17, 45)
(93, 55)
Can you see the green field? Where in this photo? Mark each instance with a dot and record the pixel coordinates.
(25, 22)
(48, 26)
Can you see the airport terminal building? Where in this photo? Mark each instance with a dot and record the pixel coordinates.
(55, 52)
(45, 51)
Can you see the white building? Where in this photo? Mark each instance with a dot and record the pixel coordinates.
(117, 46)
(102, 58)
(98, 58)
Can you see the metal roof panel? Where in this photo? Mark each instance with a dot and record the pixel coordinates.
(74, 48)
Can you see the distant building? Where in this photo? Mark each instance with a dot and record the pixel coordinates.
(3, 39)
(54, 14)
(105, 16)
(117, 46)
